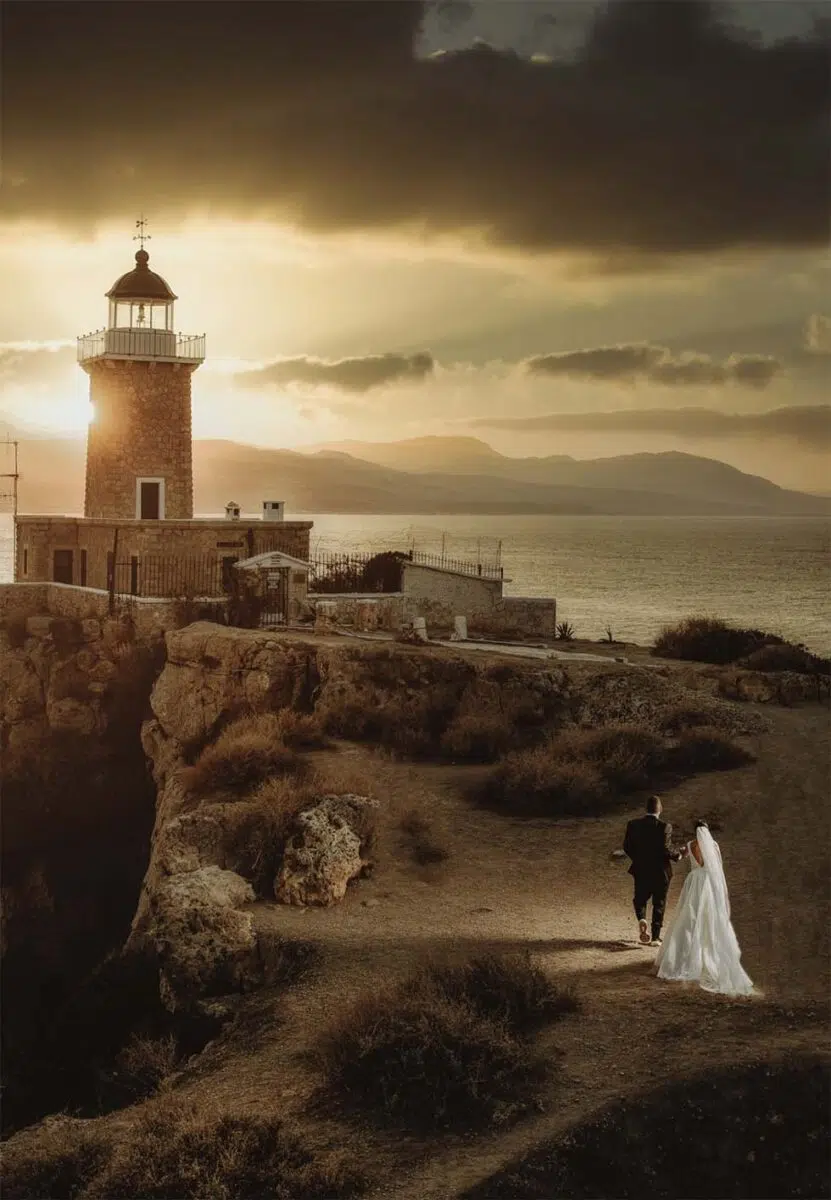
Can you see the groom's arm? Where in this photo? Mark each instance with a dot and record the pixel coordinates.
(671, 853)
(627, 841)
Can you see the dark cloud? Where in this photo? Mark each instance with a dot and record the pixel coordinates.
(656, 364)
(345, 374)
(810, 425)
(669, 134)
(22, 364)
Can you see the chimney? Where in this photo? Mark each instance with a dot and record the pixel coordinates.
(231, 511)
(273, 510)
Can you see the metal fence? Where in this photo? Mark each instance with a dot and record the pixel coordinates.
(169, 576)
(334, 573)
(207, 588)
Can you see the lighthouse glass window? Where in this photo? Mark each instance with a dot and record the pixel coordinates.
(137, 314)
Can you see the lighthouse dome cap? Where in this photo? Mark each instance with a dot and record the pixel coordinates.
(141, 283)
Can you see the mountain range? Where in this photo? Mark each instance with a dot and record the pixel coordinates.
(430, 475)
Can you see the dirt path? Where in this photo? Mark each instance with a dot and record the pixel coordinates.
(550, 888)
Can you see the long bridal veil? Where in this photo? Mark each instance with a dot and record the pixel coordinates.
(713, 865)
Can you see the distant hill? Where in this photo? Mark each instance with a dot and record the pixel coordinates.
(431, 475)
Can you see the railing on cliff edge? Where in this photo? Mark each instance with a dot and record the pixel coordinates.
(336, 573)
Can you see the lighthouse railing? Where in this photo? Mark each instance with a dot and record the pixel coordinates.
(141, 343)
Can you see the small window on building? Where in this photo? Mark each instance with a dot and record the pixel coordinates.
(25, 560)
(150, 500)
(83, 568)
(62, 566)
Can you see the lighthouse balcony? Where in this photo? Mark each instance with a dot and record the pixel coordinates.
(156, 345)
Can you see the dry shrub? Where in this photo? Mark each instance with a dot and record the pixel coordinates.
(709, 639)
(786, 657)
(533, 783)
(248, 752)
(478, 737)
(706, 749)
(300, 731)
(419, 840)
(682, 716)
(174, 1150)
(509, 988)
(58, 1166)
(443, 1051)
(267, 819)
(143, 1064)
(627, 756)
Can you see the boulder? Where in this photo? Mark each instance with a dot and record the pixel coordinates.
(205, 945)
(324, 852)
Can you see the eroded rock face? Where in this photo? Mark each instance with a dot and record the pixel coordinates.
(324, 852)
(205, 945)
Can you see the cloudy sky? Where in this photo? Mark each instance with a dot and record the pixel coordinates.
(563, 227)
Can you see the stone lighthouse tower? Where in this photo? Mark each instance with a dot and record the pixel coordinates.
(139, 456)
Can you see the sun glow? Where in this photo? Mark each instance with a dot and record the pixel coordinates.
(61, 413)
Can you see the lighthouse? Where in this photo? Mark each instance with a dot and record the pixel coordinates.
(138, 535)
(139, 447)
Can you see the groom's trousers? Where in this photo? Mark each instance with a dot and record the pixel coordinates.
(648, 888)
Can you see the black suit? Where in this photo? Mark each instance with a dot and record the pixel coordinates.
(648, 843)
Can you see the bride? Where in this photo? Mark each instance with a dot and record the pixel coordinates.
(701, 946)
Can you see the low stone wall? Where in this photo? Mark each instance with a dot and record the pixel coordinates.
(364, 614)
(508, 616)
(151, 617)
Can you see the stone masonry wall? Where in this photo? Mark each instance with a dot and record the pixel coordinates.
(142, 428)
(462, 593)
(39, 537)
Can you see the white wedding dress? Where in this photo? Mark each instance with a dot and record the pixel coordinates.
(702, 946)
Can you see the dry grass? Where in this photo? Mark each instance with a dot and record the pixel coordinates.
(478, 737)
(709, 639)
(59, 1167)
(706, 749)
(446, 1050)
(144, 1063)
(419, 840)
(684, 716)
(267, 819)
(585, 771)
(786, 657)
(176, 1150)
(250, 751)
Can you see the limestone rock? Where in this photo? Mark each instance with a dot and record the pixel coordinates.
(205, 945)
(72, 715)
(324, 852)
(208, 885)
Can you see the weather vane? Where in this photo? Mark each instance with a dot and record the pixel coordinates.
(142, 235)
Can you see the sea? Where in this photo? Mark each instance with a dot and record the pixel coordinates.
(630, 575)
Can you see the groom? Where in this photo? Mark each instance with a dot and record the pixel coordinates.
(648, 843)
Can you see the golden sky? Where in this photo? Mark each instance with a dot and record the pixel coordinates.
(577, 216)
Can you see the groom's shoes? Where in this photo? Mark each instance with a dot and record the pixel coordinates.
(644, 932)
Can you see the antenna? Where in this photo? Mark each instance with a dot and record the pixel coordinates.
(14, 477)
(142, 235)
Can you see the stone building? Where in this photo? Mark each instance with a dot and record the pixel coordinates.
(138, 534)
